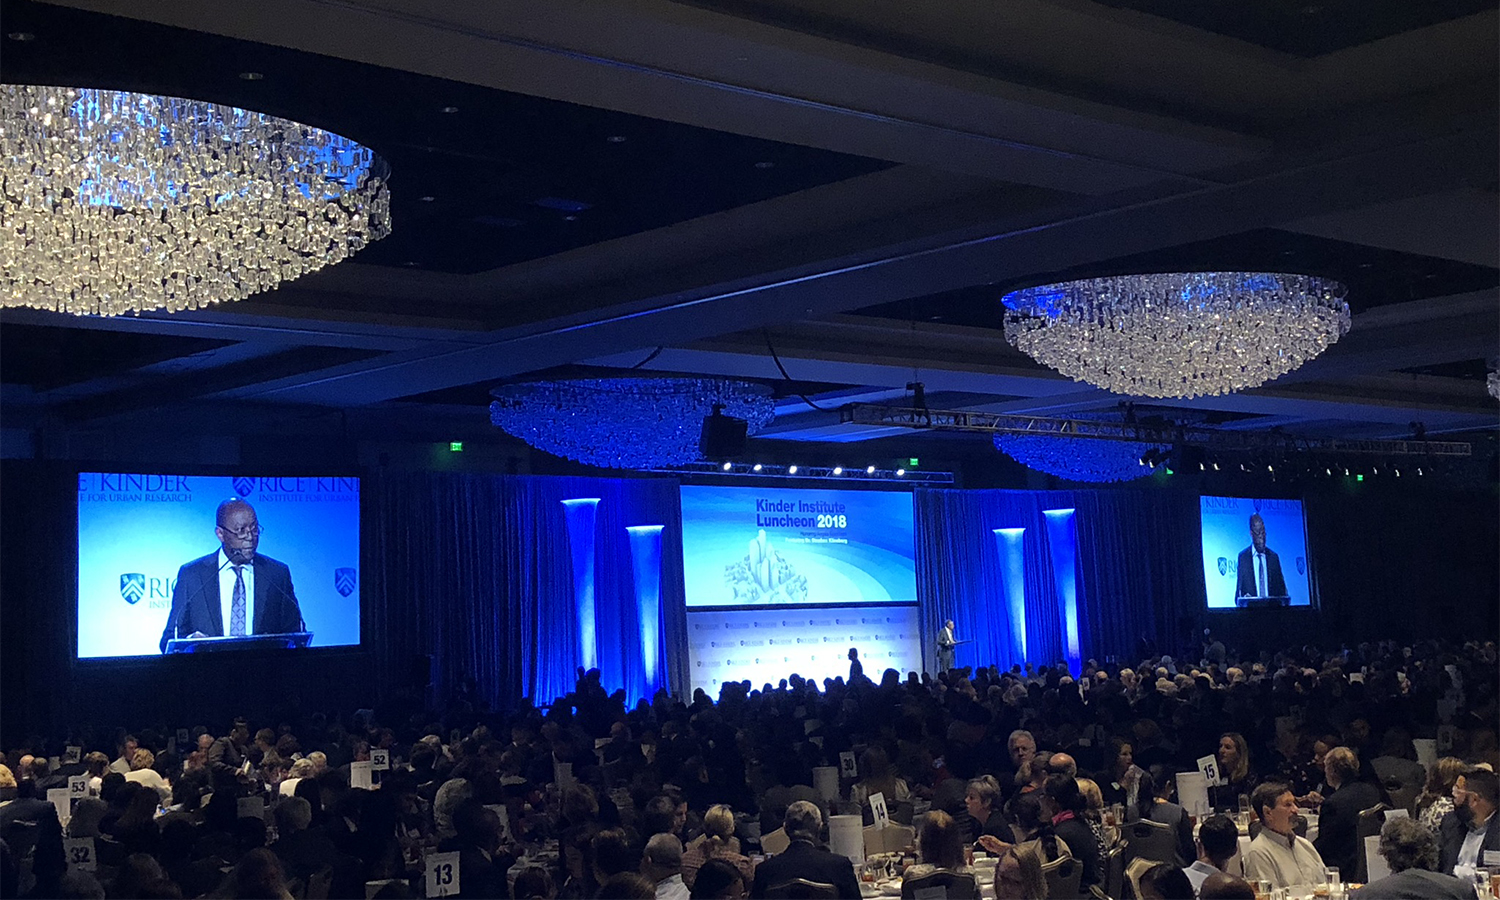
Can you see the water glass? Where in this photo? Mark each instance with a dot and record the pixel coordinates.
(1331, 875)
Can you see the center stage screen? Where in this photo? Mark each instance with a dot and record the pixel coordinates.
(761, 546)
(150, 556)
(1234, 574)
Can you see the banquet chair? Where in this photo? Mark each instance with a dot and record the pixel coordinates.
(801, 889)
(1064, 877)
(1113, 867)
(1403, 794)
(1133, 873)
(775, 842)
(955, 885)
(1370, 822)
(891, 839)
(1144, 839)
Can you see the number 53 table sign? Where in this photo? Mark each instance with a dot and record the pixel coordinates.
(442, 874)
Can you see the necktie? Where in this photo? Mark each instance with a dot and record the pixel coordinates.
(1260, 560)
(237, 604)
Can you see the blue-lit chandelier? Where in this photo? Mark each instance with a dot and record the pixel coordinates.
(625, 423)
(1077, 458)
(118, 202)
(1178, 334)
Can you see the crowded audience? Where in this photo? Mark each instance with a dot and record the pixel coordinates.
(1009, 774)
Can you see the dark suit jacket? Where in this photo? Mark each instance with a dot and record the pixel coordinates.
(1338, 824)
(196, 605)
(803, 860)
(1080, 839)
(1415, 884)
(1451, 833)
(1245, 572)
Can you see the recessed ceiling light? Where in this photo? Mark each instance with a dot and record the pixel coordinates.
(791, 470)
(22, 36)
(756, 467)
(900, 472)
(617, 139)
(449, 109)
(838, 470)
(427, 199)
(869, 470)
(765, 164)
(251, 76)
(728, 466)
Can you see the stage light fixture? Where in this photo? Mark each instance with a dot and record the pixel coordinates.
(755, 468)
(791, 470)
(728, 466)
(838, 470)
(900, 472)
(869, 470)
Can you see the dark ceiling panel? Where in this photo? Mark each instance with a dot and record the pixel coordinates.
(45, 357)
(1374, 276)
(509, 177)
(1307, 27)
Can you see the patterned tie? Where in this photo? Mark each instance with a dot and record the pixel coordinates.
(237, 604)
(1261, 559)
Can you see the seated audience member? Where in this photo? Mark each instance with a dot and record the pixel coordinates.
(258, 876)
(96, 764)
(76, 885)
(142, 773)
(662, 863)
(627, 886)
(1223, 886)
(1218, 842)
(136, 828)
(610, 854)
(1338, 820)
(1165, 881)
(1470, 831)
(1066, 804)
(1018, 876)
(942, 846)
(803, 859)
(533, 883)
(1034, 830)
(1436, 799)
(1235, 768)
(1156, 789)
(482, 867)
(877, 777)
(718, 879)
(982, 802)
(1411, 851)
(718, 842)
(1093, 809)
(302, 768)
(1277, 854)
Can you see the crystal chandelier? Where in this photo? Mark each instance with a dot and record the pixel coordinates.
(1077, 458)
(624, 423)
(1177, 335)
(119, 202)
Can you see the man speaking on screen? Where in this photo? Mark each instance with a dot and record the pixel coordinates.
(234, 591)
(1259, 569)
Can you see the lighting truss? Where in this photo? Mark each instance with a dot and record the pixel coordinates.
(1196, 435)
(818, 473)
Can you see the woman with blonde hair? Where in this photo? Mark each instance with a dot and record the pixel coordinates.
(1093, 812)
(141, 772)
(1019, 876)
(718, 842)
(1436, 799)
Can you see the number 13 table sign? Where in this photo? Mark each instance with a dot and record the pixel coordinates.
(442, 874)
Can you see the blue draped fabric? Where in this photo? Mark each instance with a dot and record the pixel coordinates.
(1138, 571)
(477, 572)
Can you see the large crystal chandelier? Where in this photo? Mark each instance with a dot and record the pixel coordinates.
(1177, 335)
(625, 423)
(119, 202)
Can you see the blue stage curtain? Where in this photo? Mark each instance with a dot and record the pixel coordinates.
(476, 572)
(1139, 570)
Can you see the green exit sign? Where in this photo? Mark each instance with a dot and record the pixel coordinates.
(913, 462)
(455, 446)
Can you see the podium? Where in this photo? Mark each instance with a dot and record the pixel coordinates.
(292, 640)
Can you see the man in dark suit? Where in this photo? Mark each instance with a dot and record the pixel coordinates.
(1259, 568)
(1471, 830)
(802, 859)
(1338, 822)
(234, 591)
(1411, 851)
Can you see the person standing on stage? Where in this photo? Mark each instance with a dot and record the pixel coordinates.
(946, 643)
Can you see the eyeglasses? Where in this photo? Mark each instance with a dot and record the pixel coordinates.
(244, 534)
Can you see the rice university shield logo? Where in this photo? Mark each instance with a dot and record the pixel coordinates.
(132, 587)
(344, 581)
(1301, 566)
(243, 486)
(1223, 566)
